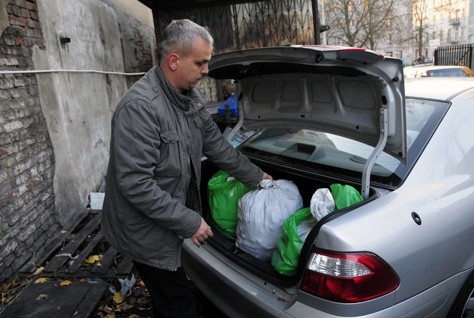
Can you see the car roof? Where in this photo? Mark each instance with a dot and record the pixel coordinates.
(437, 87)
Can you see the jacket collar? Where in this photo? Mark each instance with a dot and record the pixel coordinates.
(189, 101)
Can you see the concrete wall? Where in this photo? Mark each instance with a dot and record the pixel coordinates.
(77, 107)
(55, 126)
(137, 34)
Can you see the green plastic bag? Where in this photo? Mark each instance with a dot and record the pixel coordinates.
(223, 198)
(345, 195)
(289, 245)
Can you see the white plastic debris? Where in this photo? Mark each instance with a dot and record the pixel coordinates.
(127, 285)
(96, 200)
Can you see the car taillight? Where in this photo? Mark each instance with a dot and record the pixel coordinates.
(348, 277)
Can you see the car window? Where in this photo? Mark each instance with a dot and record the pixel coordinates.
(319, 149)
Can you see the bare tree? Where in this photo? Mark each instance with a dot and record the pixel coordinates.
(344, 18)
(376, 21)
(358, 22)
(421, 21)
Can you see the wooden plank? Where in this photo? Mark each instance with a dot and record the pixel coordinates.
(125, 267)
(86, 252)
(57, 261)
(51, 245)
(86, 307)
(103, 265)
(49, 299)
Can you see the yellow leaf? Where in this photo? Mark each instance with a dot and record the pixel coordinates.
(38, 270)
(93, 258)
(6, 287)
(118, 298)
(65, 283)
(6, 300)
(41, 280)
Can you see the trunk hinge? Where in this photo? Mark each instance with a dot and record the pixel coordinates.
(375, 154)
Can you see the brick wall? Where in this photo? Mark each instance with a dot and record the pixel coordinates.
(27, 218)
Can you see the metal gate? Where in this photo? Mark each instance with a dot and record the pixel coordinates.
(239, 25)
(454, 55)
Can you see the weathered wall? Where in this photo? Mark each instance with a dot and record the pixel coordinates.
(138, 36)
(27, 218)
(77, 106)
(55, 126)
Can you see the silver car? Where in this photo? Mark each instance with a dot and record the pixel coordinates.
(320, 115)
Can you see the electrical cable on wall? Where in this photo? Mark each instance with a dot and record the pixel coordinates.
(71, 71)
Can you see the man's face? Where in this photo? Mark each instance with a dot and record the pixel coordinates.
(193, 67)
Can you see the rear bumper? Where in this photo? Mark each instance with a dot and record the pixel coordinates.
(234, 291)
(239, 293)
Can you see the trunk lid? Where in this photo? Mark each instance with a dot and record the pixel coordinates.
(344, 91)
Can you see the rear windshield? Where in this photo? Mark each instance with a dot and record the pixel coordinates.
(317, 150)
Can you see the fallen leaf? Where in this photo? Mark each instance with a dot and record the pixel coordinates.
(93, 258)
(6, 300)
(65, 283)
(42, 297)
(118, 298)
(107, 309)
(134, 316)
(41, 280)
(38, 270)
(13, 284)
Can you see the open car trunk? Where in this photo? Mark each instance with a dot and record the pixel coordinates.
(307, 184)
(349, 92)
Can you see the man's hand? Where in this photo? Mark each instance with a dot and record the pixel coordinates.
(265, 176)
(203, 232)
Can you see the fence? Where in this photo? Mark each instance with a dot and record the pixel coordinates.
(237, 25)
(454, 55)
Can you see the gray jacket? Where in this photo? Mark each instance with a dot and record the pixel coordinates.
(152, 197)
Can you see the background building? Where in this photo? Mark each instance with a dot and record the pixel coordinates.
(406, 29)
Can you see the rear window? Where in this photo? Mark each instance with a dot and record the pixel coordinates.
(332, 153)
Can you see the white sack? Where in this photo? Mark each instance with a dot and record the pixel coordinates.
(322, 203)
(261, 215)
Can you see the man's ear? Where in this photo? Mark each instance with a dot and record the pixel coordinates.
(173, 59)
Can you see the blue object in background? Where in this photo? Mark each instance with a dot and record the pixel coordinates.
(231, 103)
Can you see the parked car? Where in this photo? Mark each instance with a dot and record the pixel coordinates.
(319, 116)
(417, 71)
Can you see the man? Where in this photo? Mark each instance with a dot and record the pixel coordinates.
(160, 129)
